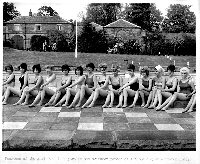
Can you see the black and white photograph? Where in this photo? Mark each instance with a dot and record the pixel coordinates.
(100, 79)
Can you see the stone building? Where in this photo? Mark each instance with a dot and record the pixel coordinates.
(22, 28)
(124, 30)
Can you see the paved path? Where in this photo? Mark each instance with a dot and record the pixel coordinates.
(59, 128)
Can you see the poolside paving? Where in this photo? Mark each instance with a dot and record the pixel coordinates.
(59, 128)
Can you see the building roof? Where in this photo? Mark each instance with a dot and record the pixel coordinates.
(121, 23)
(37, 19)
(97, 26)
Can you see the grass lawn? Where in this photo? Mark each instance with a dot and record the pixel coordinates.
(16, 57)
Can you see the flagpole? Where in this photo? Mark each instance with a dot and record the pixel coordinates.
(76, 42)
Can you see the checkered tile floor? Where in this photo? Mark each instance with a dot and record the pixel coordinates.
(59, 122)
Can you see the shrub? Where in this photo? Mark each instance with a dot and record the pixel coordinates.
(131, 47)
(37, 42)
(7, 43)
(64, 41)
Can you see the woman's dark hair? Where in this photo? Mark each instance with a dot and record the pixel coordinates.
(80, 69)
(37, 67)
(49, 67)
(9, 66)
(23, 66)
(145, 70)
(131, 67)
(171, 67)
(65, 67)
(91, 65)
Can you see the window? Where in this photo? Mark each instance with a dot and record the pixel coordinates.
(17, 27)
(59, 27)
(38, 27)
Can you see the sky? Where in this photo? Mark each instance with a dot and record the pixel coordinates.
(70, 9)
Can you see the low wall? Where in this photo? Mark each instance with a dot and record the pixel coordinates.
(177, 104)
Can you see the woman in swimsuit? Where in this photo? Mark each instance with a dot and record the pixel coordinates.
(90, 83)
(170, 83)
(66, 80)
(10, 79)
(185, 87)
(49, 87)
(129, 89)
(146, 85)
(116, 82)
(79, 81)
(23, 81)
(191, 103)
(38, 81)
(102, 90)
(158, 84)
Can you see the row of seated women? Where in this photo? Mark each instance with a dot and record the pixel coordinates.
(107, 86)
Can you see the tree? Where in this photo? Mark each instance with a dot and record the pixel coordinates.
(103, 13)
(91, 40)
(112, 10)
(179, 19)
(9, 11)
(155, 18)
(46, 11)
(139, 13)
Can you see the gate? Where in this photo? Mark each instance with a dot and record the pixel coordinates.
(18, 42)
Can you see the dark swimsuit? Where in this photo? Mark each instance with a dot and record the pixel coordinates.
(185, 87)
(169, 86)
(21, 79)
(145, 84)
(101, 82)
(89, 81)
(134, 86)
(115, 84)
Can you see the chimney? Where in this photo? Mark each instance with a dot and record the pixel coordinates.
(30, 13)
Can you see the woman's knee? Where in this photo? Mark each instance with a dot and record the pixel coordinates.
(175, 94)
(69, 90)
(26, 88)
(97, 90)
(8, 88)
(83, 87)
(125, 91)
(140, 92)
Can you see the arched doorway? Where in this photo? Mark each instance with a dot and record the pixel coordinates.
(18, 42)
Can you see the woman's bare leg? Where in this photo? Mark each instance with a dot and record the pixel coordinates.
(193, 104)
(149, 99)
(37, 99)
(107, 100)
(22, 96)
(98, 92)
(121, 96)
(89, 100)
(76, 98)
(7, 94)
(135, 99)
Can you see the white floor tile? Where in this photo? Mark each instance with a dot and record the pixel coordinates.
(69, 114)
(112, 110)
(175, 110)
(136, 115)
(168, 127)
(90, 126)
(14, 125)
(51, 109)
